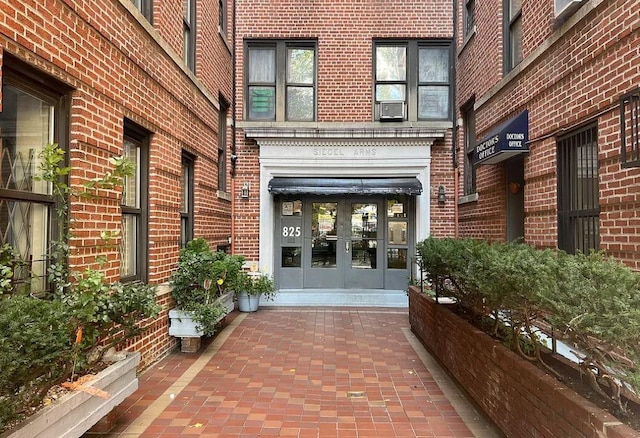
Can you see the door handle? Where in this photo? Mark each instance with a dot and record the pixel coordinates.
(346, 246)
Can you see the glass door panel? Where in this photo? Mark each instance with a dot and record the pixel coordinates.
(324, 234)
(363, 245)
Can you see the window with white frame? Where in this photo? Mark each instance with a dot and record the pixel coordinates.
(416, 75)
(281, 81)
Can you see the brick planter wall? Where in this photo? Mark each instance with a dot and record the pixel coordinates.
(521, 399)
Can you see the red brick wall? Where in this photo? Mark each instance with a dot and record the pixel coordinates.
(345, 31)
(118, 70)
(578, 79)
(520, 399)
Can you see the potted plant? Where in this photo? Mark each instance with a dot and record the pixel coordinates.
(199, 289)
(70, 327)
(250, 287)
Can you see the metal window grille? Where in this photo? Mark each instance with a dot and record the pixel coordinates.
(630, 129)
(578, 196)
(469, 146)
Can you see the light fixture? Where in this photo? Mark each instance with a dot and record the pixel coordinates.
(442, 195)
(244, 192)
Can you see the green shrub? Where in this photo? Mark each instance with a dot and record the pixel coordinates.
(36, 352)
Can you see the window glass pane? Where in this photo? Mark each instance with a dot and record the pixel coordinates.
(364, 221)
(397, 207)
(291, 257)
(323, 234)
(434, 65)
(129, 245)
(300, 103)
(25, 226)
(262, 103)
(515, 35)
(397, 258)
(433, 102)
(391, 63)
(184, 184)
(398, 233)
(262, 65)
(300, 66)
(364, 254)
(131, 195)
(26, 126)
(514, 8)
(390, 92)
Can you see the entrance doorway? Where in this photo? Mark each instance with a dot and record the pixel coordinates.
(349, 242)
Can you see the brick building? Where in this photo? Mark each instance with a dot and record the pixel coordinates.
(548, 123)
(150, 80)
(343, 142)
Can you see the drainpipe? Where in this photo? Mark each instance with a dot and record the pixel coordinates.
(454, 140)
(234, 152)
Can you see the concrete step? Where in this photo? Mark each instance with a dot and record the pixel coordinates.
(339, 298)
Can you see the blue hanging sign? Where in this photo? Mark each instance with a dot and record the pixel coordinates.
(507, 140)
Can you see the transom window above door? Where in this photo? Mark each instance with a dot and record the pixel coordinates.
(280, 79)
(412, 80)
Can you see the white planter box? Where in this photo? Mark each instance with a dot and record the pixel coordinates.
(75, 413)
(182, 326)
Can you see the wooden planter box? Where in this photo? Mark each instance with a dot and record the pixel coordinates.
(518, 397)
(75, 413)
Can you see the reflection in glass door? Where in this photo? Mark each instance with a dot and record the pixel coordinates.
(324, 234)
(362, 246)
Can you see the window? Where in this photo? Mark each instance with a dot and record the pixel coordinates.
(186, 206)
(222, 147)
(630, 129)
(513, 32)
(145, 7)
(414, 74)
(578, 197)
(189, 34)
(469, 18)
(134, 205)
(33, 115)
(281, 81)
(222, 17)
(469, 120)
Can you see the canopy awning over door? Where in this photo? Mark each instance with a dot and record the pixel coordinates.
(345, 186)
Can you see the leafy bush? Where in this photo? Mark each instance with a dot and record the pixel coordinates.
(592, 300)
(202, 275)
(36, 352)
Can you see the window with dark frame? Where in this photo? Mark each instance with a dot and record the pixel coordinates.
(145, 7)
(222, 17)
(416, 74)
(186, 205)
(513, 34)
(133, 266)
(469, 18)
(630, 129)
(469, 121)
(578, 191)
(189, 34)
(222, 147)
(35, 111)
(281, 81)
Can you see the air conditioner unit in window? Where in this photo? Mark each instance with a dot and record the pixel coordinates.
(392, 111)
(564, 8)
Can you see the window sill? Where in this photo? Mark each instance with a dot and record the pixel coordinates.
(466, 41)
(468, 199)
(223, 195)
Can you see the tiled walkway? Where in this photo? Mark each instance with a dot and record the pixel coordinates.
(302, 372)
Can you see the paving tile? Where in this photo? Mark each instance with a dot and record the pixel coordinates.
(290, 372)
